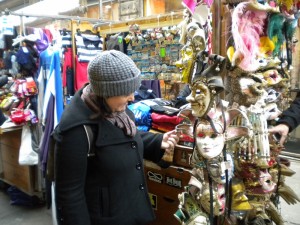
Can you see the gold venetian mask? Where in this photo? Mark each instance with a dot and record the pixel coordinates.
(239, 199)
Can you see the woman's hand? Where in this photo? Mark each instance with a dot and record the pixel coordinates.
(169, 141)
(282, 130)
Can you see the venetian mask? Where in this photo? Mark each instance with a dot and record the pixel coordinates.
(189, 212)
(266, 181)
(216, 168)
(209, 141)
(219, 199)
(244, 90)
(199, 98)
(196, 35)
(199, 220)
(239, 200)
(257, 180)
(272, 77)
(186, 63)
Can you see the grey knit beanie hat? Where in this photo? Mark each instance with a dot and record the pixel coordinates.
(112, 73)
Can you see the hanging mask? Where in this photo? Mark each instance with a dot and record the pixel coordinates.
(209, 141)
(185, 63)
(218, 199)
(257, 180)
(244, 90)
(200, 99)
(189, 212)
(266, 181)
(272, 77)
(239, 201)
(216, 168)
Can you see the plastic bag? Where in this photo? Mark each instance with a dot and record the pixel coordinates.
(26, 154)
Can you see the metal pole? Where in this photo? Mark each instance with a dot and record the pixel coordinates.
(100, 9)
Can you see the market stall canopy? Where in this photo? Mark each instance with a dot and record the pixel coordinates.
(43, 8)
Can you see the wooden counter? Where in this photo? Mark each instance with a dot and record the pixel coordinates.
(22, 177)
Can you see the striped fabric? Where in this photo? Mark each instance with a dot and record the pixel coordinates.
(88, 46)
(66, 40)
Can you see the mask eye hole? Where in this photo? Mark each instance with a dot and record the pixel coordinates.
(213, 135)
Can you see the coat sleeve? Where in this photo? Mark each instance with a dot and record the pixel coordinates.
(152, 146)
(291, 116)
(71, 167)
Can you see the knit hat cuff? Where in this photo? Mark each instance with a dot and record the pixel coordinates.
(116, 88)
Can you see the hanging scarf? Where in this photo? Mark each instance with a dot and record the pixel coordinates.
(119, 119)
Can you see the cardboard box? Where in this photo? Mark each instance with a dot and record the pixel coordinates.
(164, 185)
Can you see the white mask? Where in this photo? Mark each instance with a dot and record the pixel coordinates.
(209, 143)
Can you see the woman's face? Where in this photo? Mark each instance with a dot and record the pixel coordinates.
(209, 143)
(119, 103)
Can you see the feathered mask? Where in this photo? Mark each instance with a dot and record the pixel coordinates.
(247, 27)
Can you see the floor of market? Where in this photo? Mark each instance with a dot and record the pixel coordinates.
(21, 215)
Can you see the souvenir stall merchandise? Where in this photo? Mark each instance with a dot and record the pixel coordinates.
(32, 101)
(226, 168)
(153, 43)
(237, 174)
(86, 44)
(43, 63)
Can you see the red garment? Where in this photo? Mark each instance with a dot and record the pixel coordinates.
(67, 64)
(81, 77)
(48, 34)
(165, 127)
(186, 138)
(162, 118)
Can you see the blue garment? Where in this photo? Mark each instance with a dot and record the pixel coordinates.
(54, 88)
(141, 113)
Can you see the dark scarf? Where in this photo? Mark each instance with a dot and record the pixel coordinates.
(119, 119)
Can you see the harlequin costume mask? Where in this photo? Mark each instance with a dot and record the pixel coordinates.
(200, 98)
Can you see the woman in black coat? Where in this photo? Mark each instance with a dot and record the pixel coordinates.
(108, 188)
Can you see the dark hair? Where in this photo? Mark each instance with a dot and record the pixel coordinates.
(98, 105)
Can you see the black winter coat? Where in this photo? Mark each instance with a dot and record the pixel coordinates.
(291, 116)
(109, 188)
